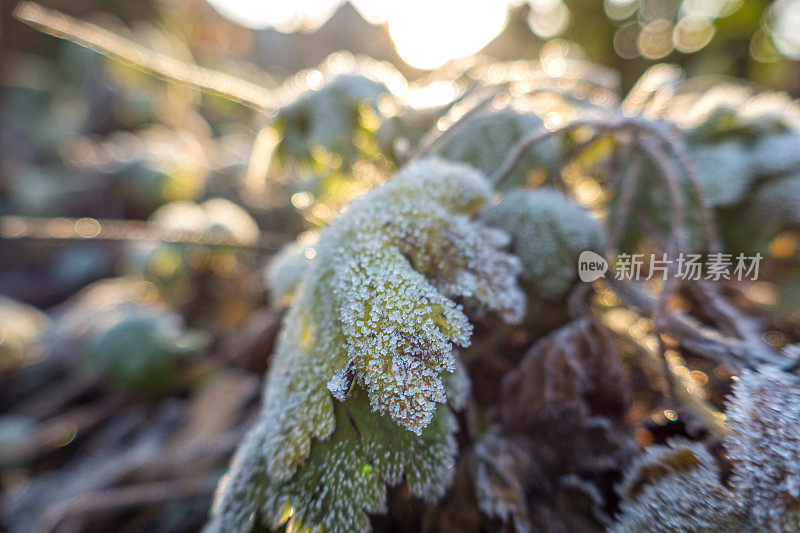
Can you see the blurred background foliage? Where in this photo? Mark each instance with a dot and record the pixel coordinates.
(87, 137)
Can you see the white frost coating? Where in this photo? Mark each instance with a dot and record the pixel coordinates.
(236, 498)
(692, 501)
(549, 232)
(657, 462)
(375, 303)
(373, 326)
(485, 141)
(764, 446)
(344, 477)
(328, 118)
(762, 492)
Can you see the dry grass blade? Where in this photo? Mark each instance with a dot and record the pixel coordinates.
(131, 496)
(112, 45)
(17, 227)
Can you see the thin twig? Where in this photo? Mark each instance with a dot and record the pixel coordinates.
(679, 234)
(536, 137)
(112, 45)
(625, 197)
(709, 220)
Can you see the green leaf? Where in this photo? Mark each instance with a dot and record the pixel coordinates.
(353, 397)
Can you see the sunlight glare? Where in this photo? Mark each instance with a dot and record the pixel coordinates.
(302, 15)
(425, 34)
(429, 34)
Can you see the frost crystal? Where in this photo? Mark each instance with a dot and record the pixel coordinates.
(680, 487)
(548, 232)
(330, 119)
(764, 447)
(373, 326)
(688, 494)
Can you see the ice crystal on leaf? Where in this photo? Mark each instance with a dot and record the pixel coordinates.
(681, 487)
(373, 326)
(687, 495)
(549, 232)
(764, 447)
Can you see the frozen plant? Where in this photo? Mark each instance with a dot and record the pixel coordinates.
(681, 487)
(353, 398)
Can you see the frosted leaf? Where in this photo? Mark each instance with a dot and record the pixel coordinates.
(373, 326)
(485, 141)
(286, 269)
(344, 476)
(457, 386)
(691, 501)
(764, 447)
(659, 462)
(143, 349)
(401, 365)
(328, 120)
(496, 467)
(381, 319)
(240, 489)
(777, 154)
(724, 171)
(680, 487)
(548, 234)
